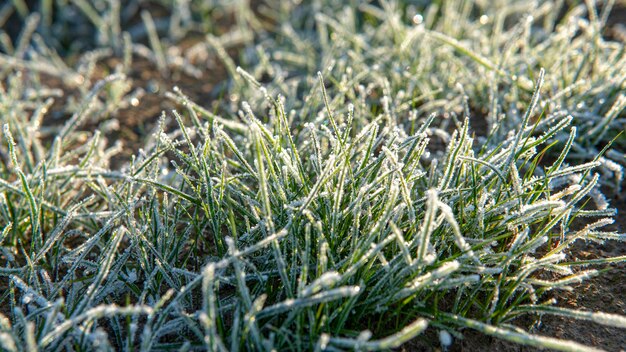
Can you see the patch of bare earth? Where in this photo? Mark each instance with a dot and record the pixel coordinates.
(605, 293)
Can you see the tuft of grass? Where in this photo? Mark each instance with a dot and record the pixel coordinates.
(340, 197)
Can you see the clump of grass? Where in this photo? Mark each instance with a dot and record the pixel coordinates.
(323, 212)
(429, 57)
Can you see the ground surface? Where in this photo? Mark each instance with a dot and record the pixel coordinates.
(605, 293)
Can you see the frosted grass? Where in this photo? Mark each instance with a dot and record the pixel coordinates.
(338, 198)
